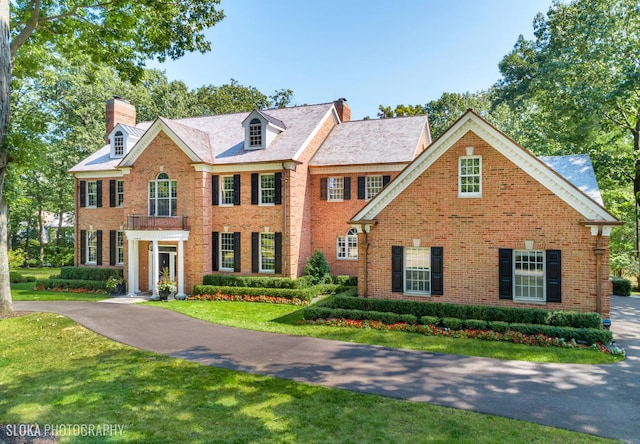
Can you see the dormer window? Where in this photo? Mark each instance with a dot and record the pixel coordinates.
(118, 144)
(255, 133)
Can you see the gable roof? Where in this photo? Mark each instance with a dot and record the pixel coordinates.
(537, 169)
(577, 169)
(373, 141)
(272, 120)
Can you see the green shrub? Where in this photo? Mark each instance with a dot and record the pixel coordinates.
(499, 326)
(587, 335)
(88, 273)
(346, 280)
(429, 320)
(71, 284)
(17, 257)
(452, 323)
(474, 324)
(227, 280)
(356, 315)
(289, 293)
(317, 268)
(621, 286)
(16, 277)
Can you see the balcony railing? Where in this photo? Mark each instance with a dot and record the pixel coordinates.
(140, 222)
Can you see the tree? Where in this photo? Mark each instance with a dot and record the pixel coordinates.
(581, 75)
(122, 34)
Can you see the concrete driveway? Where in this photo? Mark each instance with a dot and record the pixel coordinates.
(602, 400)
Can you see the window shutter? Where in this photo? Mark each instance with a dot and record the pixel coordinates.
(99, 193)
(397, 268)
(505, 272)
(236, 189)
(278, 252)
(362, 184)
(236, 251)
(385, 180)
(215, 190)
(437, 281)
(112, 247)
(554, 276)
(83, 246)
(278, 196)
(255, 252)
(254, 188)
(83, 194)
(112, 194)
(347, 188)
(323, 188)
(99, 242)
(215, 249)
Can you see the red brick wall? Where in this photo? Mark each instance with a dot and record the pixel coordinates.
(513, 208)
(119, 111)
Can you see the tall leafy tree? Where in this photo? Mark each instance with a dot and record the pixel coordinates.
(123, 34)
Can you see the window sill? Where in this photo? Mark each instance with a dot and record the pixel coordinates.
(529, 301)
(351, 259)
(469, 195)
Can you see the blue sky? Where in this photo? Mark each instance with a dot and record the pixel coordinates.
(370, 52)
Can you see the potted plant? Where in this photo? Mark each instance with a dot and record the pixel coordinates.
(165, 285)
(116, 285)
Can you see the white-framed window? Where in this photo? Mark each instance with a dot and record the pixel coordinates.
(118, 144)
(119, 247)
(529, 275)
(255, 133)
(226, 191)
(92, 247)
(470, 176)
(347, 246)
(227, 259)
(119, 193)
(373, 187)
(163, 196)
(335, 188)
(417, 270)
(92, 194)
(267, 189)
(267, 252)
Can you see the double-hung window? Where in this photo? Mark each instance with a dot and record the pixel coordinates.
(374, 186)
(335, 188)
(118, 144)
(417, 271)
(529, 275)
(347, 246)
(119, 247)
(227, 258)
(267, 252)
(119, 193)
(226, 191)
(92, 247)
(267, 189)
(255, 133)
(470, 176)
(163, 196)
(92, 194)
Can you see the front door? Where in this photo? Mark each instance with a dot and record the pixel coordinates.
(167, 260)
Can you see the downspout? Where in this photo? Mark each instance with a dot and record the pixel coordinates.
(76, 225)
(599, 252)
(285, 239)
(365, 286)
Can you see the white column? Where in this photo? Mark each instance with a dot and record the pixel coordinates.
(181, 269)
(131, 268)
(155, 272)
(136, 267)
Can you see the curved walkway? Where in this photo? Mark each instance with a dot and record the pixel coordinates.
(598, 399)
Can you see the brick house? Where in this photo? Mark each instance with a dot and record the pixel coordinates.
(251, 193)
(477, 219)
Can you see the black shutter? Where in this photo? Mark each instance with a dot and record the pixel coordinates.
(113, 247)
(215, 190)
(83, 246)
(236, 251)
(112, 194)
(83, 194)
(505, 272)
(255, 252)
(347, 188)
(278, 180)
(278, 252)
(323, 188)
(397, 268)
(236, 189)
(385, 180)
(254, 188)
(215, 248)
(99, 242)
(437, 281)
(554, 276)
(362, 185)
(99, 193)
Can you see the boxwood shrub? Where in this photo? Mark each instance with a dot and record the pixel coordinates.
(430, 320)
(305, 294)
(15, 277)
(475, 324)
(587, 335)
(358, 315)
(88, 273)
(227, 280)
(621, 286)
(71, 283)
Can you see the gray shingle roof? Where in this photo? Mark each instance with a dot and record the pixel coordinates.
(372, 141)
(578, 170)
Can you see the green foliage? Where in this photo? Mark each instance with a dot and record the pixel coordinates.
(317, 268)
(228, 280)
(452, 323)
(289, 293)
(18, 278)
(84, 284)
(17, 258)
(348, 281)
(621, 286)
(429, 320)
(474, 324)
(88, 273)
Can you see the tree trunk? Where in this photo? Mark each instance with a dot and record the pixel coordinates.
(5, 78)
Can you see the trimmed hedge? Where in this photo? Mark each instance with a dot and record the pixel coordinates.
(464, 312)
(16, 277)
(621, 286)
(88, 274)
(588, 335)
(90, 285)
(226, 280)
(385, 318)
(288, 293)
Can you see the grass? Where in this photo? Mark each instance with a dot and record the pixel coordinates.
(53, 371)
(284, 319)
(25, 292)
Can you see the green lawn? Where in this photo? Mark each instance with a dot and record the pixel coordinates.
(284, 319)
(53, 371)
(25, 292)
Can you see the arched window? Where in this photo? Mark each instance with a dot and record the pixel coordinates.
(163, 196)
(118, 144)
(255, 133)
(347, 246)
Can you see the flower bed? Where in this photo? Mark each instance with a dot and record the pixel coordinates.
(247, 298)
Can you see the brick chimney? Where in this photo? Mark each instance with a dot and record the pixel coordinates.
(119, 111)
(344, 112)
